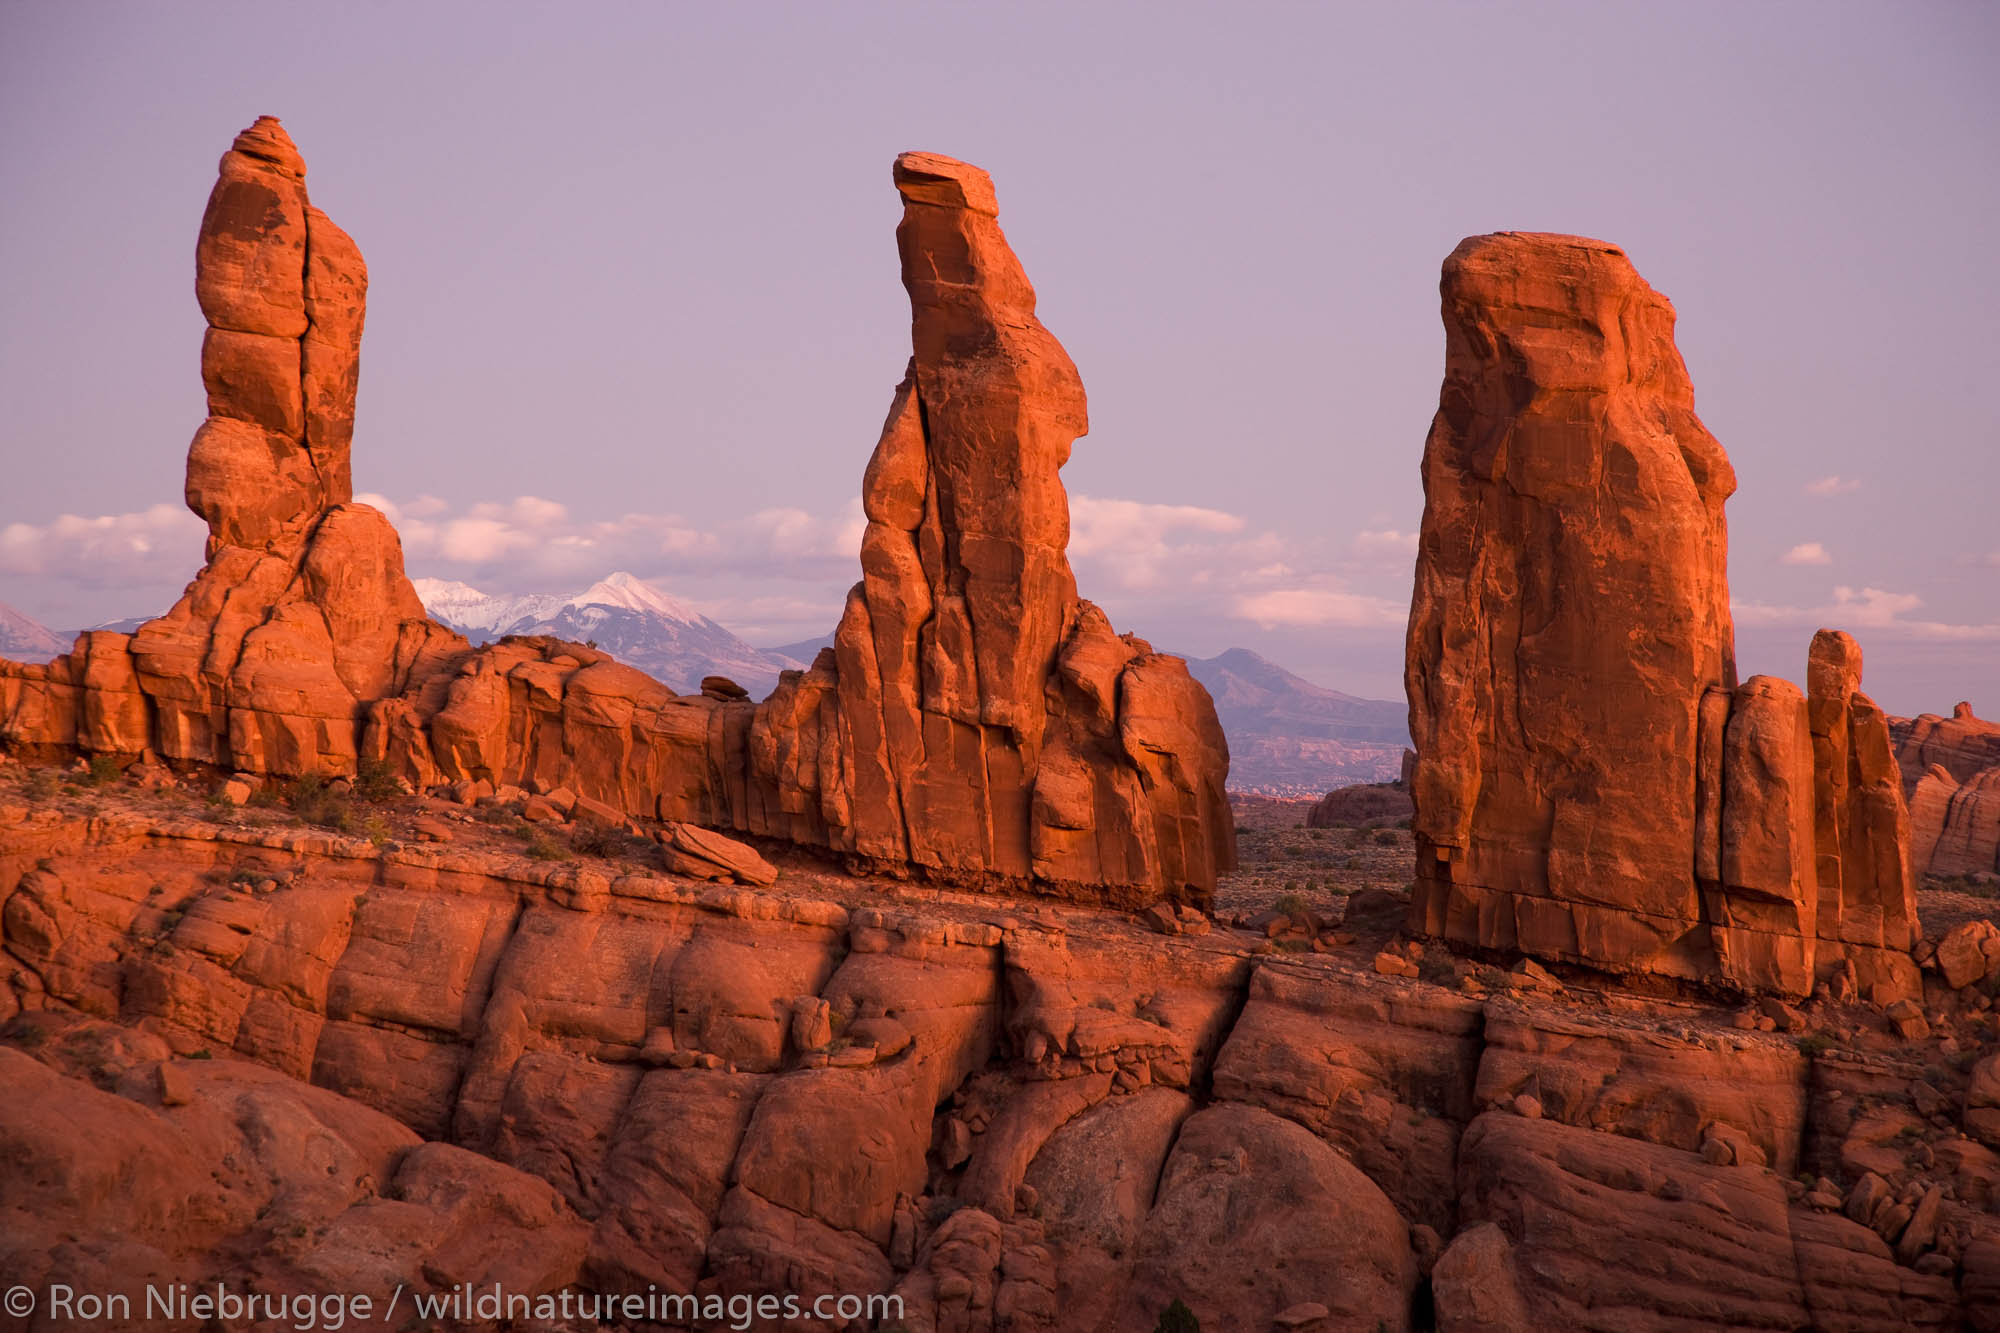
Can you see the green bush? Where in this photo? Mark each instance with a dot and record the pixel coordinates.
(1177, 1318)
(104, 770)
(375, 782)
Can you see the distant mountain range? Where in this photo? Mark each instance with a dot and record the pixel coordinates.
(1290, 737)
(626, 617)
(27, 640)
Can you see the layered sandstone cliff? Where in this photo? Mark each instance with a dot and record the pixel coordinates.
(1951, 774)
(976, 720)
(310, 1064)
(1593, 784)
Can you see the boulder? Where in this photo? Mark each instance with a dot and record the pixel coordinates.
(1253, 1216)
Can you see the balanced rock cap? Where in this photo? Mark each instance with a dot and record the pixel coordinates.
(932, 178)
(267, 141)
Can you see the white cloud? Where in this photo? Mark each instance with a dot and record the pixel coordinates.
(1828, 487)
(1136, 545)
(782, 572)
(1860, 608)
(1385, 544)
(1806, 553)
(1326, 605)
(145, 548)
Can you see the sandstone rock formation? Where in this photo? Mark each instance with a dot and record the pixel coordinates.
(1593, 784)
(976, 719)
(1951, 774)
(1373, 803)
(1963, 744)
(1861, 829)
(302, 614)
(1053, 1121)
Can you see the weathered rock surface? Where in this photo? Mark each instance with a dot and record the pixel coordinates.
(1364, 804)
(180, 1171)
(1951, 773)
(976, 718)
(1057, 1122)
(1867, 889)
(302, 614)
(1963, 744)
(1571, 606)
(1592, 783)
(1255, 1215)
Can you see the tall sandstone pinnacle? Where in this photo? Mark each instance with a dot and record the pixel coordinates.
(1593, 784)
(302, 613)
(997, 719)
(975, 720)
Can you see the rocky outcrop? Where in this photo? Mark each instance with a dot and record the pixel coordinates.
(302, 614)
(1951, 773)
(976, 719)
(1593, 784)
(1039, 1120)
(1571, 606)
(1963, 744)
(1363, 805)
(1861, 826)
(129, 1168)
(1955, 826)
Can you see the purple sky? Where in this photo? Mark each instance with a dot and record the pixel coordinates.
(635, 299)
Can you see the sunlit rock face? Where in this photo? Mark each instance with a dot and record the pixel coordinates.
(1593, 784)
(975, 719)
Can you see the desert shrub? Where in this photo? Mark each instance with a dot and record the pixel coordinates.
(43, 784)
(1386, 837)
(593, 840)
(1177, 1318)
(314, 800)
(1290, 903)
(375, 782)
(1814, 1044)
(1356, 836)
(540, 848)
(104, 770)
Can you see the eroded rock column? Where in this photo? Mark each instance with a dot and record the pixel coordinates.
(1571, 607)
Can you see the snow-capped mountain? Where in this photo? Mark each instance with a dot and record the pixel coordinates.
(27, 640)
(625, 616)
